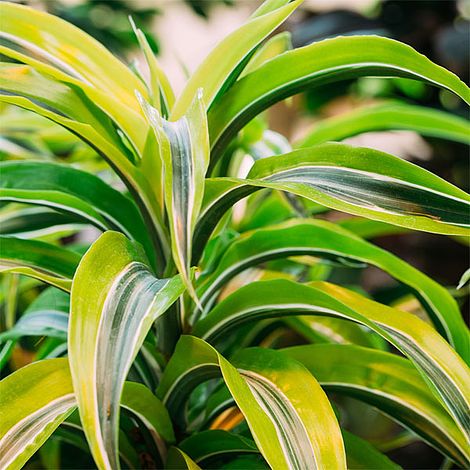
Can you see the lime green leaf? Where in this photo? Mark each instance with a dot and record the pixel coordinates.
(445, 371)
(464, 279)
(184, 150)
(319, 63)
(389, 116)
(288, 392)
(323, 239)
(70, 50)
(391, 384)
(73, 191)
(49, 263)
(33, 401)
(115, 300)
(282, 426)
(226, 61)
(37, 398)
(271, 48)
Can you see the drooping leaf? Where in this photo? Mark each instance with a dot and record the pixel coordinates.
(76, 192)
(49, 263)
(389, 116)
(327, 240)
(179, 460)
(115, 299)
(442, 368)
(283, 426)
(359, 181)
(226, 61)
(391, 384)
(322, 62)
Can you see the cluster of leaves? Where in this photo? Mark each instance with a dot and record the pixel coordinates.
(174, 322)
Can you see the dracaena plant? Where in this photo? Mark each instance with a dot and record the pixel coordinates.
(175, 321)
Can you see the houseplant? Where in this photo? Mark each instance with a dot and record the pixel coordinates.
(162, 297)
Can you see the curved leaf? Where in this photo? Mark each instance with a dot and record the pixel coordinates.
(283, 427)
(391, 384)
(226, 61)
(76, 192)
(37, 398)
(33, 401)
(319, 63)
(359, 181)
(70, 50)
(442, 368)
(324, 239)
(115, 300)
(389, 116)
(49, 263)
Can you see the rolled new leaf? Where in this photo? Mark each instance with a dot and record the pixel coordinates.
(115, 300)
(183, 147)
(322, 62)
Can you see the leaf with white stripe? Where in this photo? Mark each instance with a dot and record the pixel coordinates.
(389, 116)
(389, 383)
(226, 61)
(115, 300)
(184, 151)
(326, 61)
(49, 263)
(358, 181)
(323, 239)
(37, 398)
(445, 372)
(74, 192)
(33, 401)
(288, 432)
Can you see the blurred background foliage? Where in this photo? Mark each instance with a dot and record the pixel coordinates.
(180, 32)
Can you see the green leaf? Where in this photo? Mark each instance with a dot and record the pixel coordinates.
(37, 398)
(226, 61)
(69, 49)
(323, 239)
(76, 192)
(33, 401)
(389, 383)
(115, 300)
(322, 62)
(389, 116)
(363, 456)
(289, 433)
(178, 460)
(49, 263)
(184, 150)
(464, 279)
(207, 445)
(443, 369)
(358, 181)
